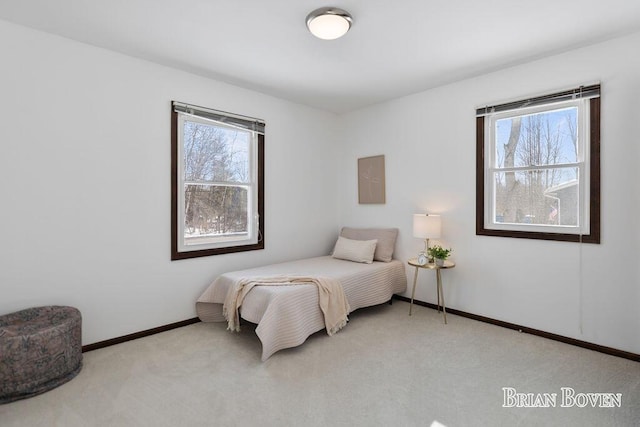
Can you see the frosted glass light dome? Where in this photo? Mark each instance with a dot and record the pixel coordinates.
(329, 23)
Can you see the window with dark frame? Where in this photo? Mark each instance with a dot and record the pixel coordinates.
(217, 181)
(538, 167)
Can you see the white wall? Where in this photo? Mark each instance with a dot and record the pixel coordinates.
(587, 292)
(85, 183)
(84, 180)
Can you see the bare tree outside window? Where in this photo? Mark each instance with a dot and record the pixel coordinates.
(216, 174)
(534, 195)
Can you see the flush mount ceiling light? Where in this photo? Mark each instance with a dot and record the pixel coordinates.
(329, 23)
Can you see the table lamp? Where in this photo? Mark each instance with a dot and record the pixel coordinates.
(426, 226)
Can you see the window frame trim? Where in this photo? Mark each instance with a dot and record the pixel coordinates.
(177, 253)
(593, 182)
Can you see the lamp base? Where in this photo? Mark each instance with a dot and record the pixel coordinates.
(426, 251)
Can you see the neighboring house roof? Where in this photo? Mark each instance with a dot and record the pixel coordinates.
(561, 186)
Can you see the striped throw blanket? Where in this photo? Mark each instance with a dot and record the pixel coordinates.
(332, 300)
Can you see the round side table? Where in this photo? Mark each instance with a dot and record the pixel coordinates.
(431, 266)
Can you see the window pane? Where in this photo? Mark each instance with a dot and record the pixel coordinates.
(215, 153)
(215, 213)
(545, 138)
(545, 197)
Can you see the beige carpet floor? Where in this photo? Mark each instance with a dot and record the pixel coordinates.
(384, 369)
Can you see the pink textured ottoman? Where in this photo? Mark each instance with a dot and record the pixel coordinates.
(40, 348)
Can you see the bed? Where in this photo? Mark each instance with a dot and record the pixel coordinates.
(287, 315)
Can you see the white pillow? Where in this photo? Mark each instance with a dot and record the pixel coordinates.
(355, 250)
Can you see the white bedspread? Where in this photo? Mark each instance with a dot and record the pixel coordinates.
(287, 315)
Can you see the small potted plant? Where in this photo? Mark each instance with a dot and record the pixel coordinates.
(439, 254)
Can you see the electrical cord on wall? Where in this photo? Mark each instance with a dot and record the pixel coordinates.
(257, 224)
(580, 296)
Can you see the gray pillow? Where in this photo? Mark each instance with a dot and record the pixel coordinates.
(386, 238)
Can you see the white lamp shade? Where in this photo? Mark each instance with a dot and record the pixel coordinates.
(426, 226)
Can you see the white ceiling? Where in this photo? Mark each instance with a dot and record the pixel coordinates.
(393, 49)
